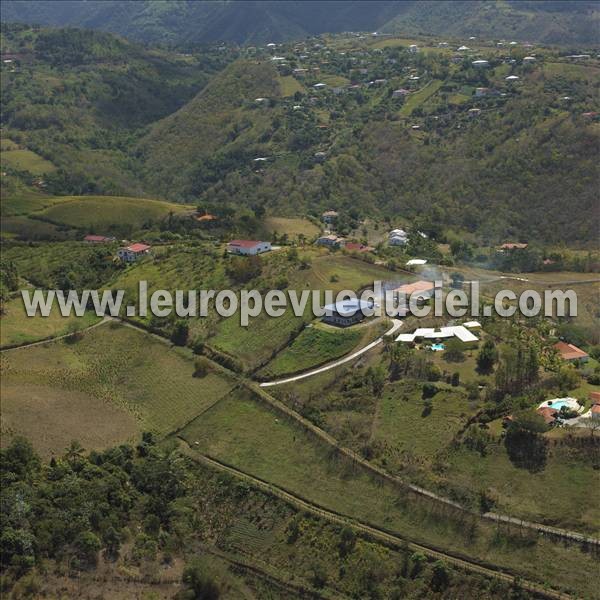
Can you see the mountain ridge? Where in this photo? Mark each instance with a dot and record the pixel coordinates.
(190, 22)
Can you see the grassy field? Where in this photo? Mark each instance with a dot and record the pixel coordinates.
(17, 328)
(255, 344)
(314, 346)
(24, 228)
(290, 85)
(23, 160)
(337, 272)
(100, 212)
(115, 368)
(559, 495)
(415, 100)
(402, 424)
(241, 432)
(293, 227)
(334, 80)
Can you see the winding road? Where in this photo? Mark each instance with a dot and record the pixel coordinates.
(396, 324)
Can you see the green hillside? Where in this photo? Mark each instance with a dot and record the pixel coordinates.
(264, 21)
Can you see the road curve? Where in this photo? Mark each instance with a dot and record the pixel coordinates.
(396, 325)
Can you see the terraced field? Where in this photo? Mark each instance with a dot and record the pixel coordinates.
(100, 212)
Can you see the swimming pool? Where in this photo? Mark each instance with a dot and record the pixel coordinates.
(558, 404)
(438, 347)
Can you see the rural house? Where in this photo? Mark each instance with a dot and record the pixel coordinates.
(346, 313)
(133, 252)
(332, 241)
(248, 247)
(397, 237)
(571, 353)
(98, 239)
(329, 216)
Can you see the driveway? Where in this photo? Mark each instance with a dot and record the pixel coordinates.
(396, 324)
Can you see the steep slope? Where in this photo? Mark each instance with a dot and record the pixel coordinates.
(78, 98)
(222, 123)
(199, 21)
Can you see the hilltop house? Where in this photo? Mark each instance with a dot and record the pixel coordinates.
(329, 216)
(347, 312)
(133, 252)
(248, 247)
(571, 353)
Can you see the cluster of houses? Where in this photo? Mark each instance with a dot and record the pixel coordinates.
(127, 254)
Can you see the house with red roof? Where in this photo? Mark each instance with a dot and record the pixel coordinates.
(98, 239)
(548, 414)
(134, 252)
(248, 247)
(356, 247)
(571, 353)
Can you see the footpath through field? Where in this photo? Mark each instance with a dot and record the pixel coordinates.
(396, 325)
(374, 532)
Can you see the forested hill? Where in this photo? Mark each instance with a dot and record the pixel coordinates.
(199, 21)
(506, 151)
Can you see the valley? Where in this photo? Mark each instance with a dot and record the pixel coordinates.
(299, 456)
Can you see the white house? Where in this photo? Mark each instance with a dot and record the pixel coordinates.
(512, 78)
(331, 241)
(463, 48)
(248, 247)
(481, 64)
(133, 252)
(400, 93)
(529, 59)
(397, 237)
(413, 48)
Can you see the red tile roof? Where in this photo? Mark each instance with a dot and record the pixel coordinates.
(595, 397)
(97, 238)
(245, 243)
(569, 351)
(549, 414)
(354, 246)
(417, 286)
(513, 246)
(207, 217)
(596, 408)
(138, 247)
